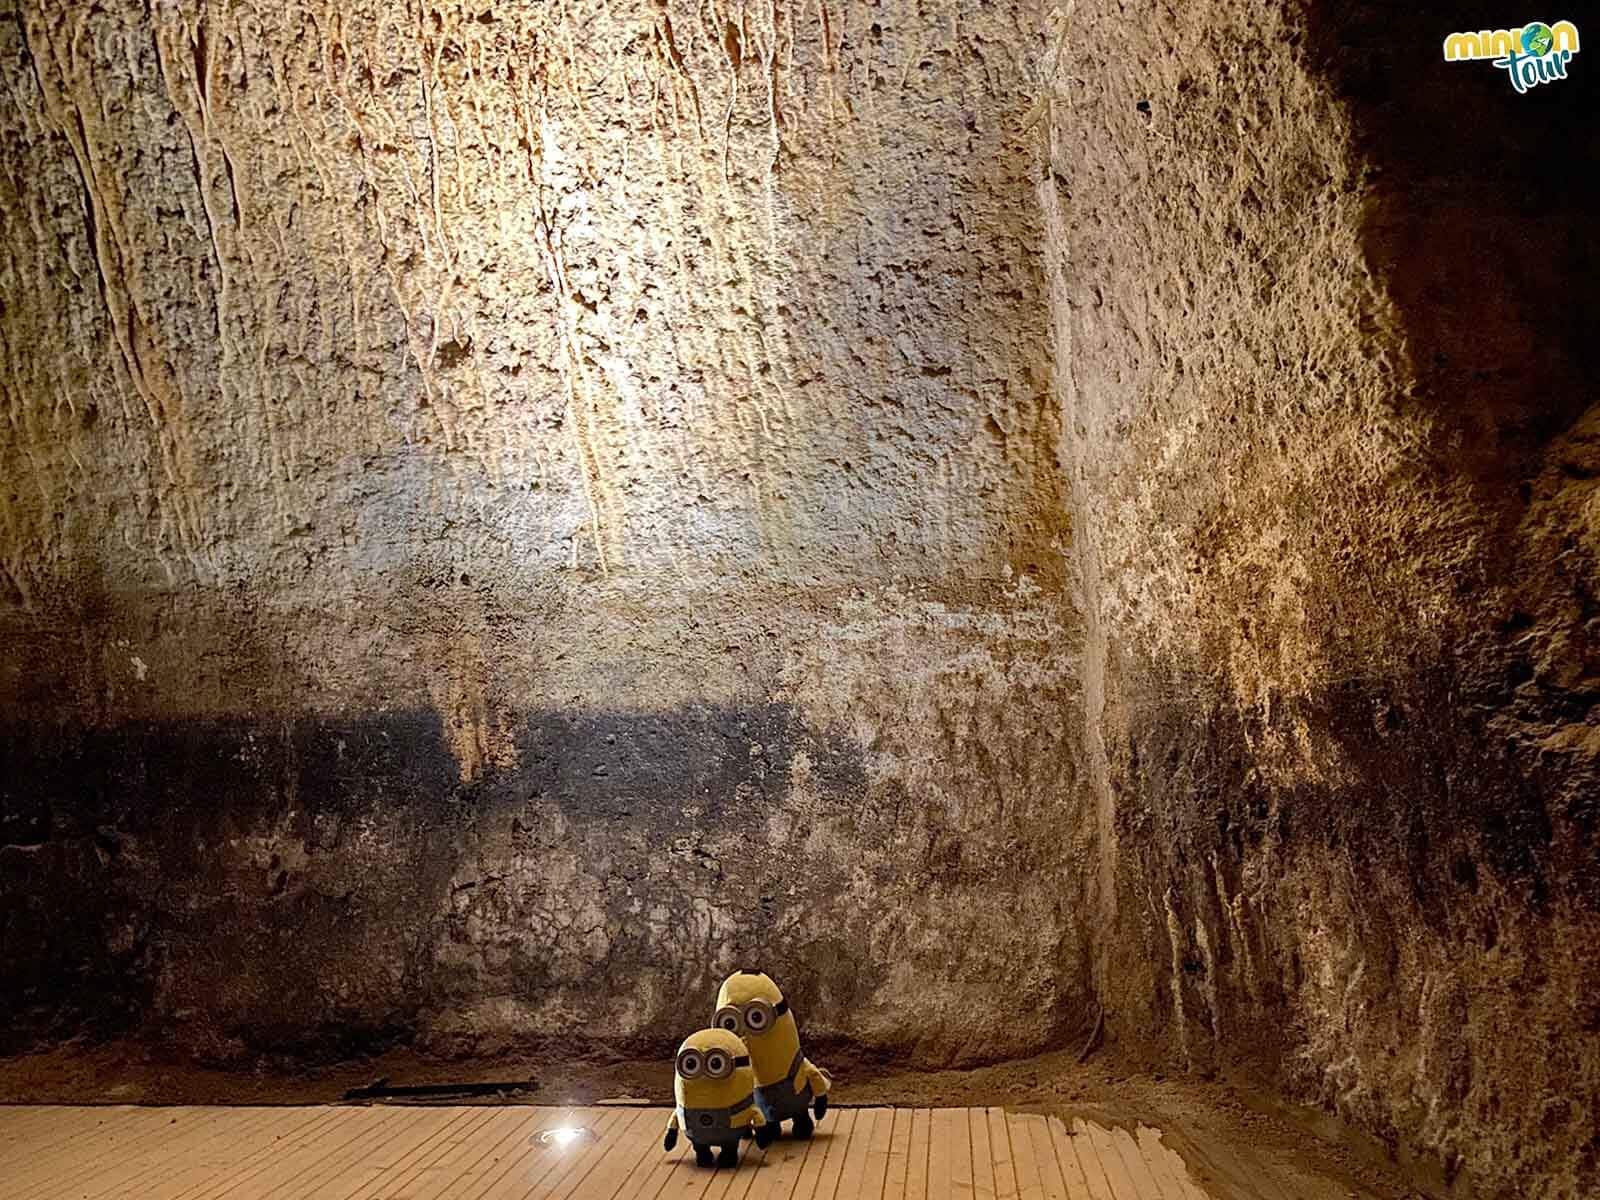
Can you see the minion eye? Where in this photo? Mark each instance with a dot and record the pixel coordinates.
(728, 1018)
(757, 1017)
(689, 1064)
(717, 1065)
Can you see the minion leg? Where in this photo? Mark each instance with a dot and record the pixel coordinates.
(703, 1155)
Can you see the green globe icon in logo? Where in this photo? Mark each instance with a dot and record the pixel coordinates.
(1537, 40)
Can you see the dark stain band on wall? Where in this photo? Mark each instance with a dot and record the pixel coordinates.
(297, 851)
(320, 887)
(733, 761)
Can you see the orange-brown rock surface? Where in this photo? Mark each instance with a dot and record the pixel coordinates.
(1004, 513)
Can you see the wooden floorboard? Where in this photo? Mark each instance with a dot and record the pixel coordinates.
(486, 1153)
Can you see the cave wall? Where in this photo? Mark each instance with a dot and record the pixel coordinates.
(1321, 322)
(512, 510)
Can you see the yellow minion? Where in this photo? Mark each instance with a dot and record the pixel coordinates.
(787, 1082)
(715, 1089)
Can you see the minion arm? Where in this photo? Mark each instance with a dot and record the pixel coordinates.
(764, 1131)
(671, 1140)
(810, 1073)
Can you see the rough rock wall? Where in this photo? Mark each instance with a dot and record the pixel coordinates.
(513, 509)
(1321, 317)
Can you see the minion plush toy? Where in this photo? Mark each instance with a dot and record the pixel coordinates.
(787, 1082)
(715, 1089)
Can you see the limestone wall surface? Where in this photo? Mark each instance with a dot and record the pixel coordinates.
(513, 510)
(1322, 327)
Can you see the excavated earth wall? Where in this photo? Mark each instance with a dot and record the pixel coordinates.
(513, 510)
(999, 513)
(1322, 318)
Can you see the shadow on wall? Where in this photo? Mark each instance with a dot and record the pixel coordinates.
(1480, 223)
(1442, 971)
(1370, 873)
(1481, 226)
(314, 884)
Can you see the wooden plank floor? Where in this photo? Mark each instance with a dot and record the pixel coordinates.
(483, 1153)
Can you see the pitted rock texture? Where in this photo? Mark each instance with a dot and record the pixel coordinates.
(322, 884)
(511, 509)
(515, 509)
(1321, 337)
(313, 295)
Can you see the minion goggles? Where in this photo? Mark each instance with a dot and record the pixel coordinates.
(714, 1064)
(755, 1017)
